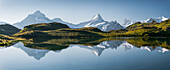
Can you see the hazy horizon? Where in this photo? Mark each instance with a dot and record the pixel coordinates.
(76, 11)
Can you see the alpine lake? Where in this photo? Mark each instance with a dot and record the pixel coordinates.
(124, 53)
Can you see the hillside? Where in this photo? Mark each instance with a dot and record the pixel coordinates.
(44, 26)
(8, 29)
(56, 36)
(56, 30)
(152, 29)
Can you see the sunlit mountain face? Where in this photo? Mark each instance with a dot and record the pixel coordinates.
(97, 21)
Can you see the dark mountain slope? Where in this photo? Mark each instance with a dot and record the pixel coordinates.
(8, 29)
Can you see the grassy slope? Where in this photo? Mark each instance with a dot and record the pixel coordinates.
(144, 29)
(56, 30)
(44, 26)
(57, 36)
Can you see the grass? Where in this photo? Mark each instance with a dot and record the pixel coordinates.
(152, 29)
(53, 35)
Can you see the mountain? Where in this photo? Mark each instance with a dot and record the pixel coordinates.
(45, 26)
(159, 19)
(56, 30)
(7, 29)
(127, 23)
(37, 17)
(98, 22)
(59, 20)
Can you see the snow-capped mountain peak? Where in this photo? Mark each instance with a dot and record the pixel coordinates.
(38, 13)
(149, 20)
(127, 23)
(159, 19)
(163, 18)
(98, 17)
(38, 17)
(98, 22)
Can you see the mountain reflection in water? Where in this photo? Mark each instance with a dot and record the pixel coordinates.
(96, 49)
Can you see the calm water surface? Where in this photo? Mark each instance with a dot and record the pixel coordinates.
(108, 55)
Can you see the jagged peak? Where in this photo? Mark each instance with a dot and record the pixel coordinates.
(97, 17)
(163, 17)
(114, 21)
(149, 19)
(38, 13)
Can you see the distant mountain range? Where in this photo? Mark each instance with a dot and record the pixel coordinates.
(127, 22)
(96, 50)
(96, 21)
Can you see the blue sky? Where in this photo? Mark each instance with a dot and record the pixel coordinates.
(76, 11)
